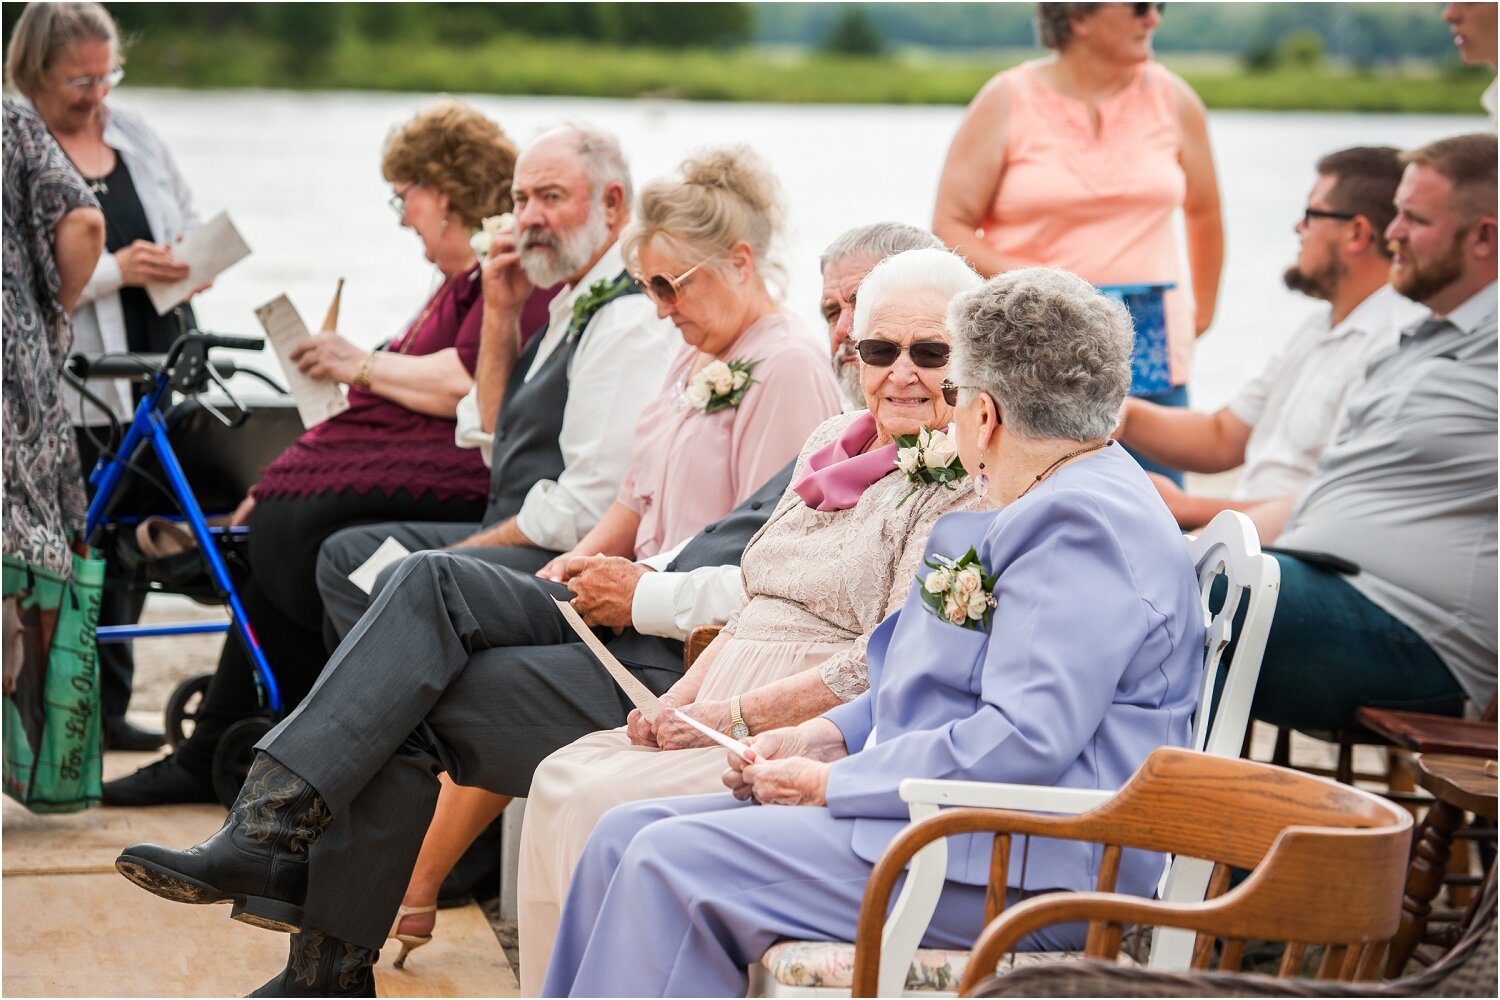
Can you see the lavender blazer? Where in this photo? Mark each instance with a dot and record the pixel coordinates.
(1093, 659)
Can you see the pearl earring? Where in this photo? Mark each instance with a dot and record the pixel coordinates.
(981, 482)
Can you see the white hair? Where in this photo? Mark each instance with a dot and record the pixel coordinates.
(924, 270)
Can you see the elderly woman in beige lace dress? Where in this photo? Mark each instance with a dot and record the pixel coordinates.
(835, 558)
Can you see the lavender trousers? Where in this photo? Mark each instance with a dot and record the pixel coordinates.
(677, 897)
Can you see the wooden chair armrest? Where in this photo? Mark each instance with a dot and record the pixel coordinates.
(697, 641)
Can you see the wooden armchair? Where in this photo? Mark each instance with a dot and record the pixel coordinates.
(1466, 971)
(1327, 864)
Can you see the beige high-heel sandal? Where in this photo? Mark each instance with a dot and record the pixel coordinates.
(409, 942)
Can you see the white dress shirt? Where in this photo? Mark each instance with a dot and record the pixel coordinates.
(615, 372)
(1294, 405)
(673, 604)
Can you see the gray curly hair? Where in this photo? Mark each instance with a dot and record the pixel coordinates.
(1054, 22)
(1052, 350)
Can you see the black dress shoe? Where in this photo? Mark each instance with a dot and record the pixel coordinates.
(120, 734)
(257, 860)
(323, 966)
(163, 783)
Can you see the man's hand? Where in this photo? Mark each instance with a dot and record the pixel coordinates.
(503, 282)
(145, 263)
(604, 589)
(328, 355)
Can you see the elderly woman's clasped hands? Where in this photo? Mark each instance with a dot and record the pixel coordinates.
(791, 765)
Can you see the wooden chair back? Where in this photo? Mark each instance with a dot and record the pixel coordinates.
(697, 641)
(1327, 861)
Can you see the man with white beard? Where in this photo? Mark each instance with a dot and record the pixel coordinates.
(554, 421)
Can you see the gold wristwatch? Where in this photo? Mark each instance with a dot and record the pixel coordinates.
(737, 727)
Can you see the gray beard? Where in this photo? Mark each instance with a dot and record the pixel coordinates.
(569, 252)
(849, 384)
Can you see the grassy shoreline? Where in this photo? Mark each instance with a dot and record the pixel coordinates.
(561, 68)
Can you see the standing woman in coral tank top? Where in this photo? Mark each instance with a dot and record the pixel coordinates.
(1080, 160)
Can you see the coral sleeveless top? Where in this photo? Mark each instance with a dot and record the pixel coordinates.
(1101, 206)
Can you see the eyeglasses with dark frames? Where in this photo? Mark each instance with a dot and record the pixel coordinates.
(1309, 214)
(950, 394)
(883, 353)
(1142, 9)
(667, 289)
(398, 200)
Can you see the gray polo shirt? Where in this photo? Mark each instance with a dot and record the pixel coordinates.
(1408, 489)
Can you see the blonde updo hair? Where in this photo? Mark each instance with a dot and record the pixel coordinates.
(721, 197)
(44, 30)
(457, 150)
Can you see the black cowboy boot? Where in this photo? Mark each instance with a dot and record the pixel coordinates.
(258, 858)
(323, 966)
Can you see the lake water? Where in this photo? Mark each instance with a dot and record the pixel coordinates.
(300, 174)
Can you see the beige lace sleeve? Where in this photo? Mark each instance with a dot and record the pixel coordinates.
(847, 673)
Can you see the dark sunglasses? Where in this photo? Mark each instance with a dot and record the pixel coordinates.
(666, 289)
(950, 394)
(1142, 9)
(1309, 214)
(883, 353)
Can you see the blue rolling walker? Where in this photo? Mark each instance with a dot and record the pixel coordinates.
(120, 476)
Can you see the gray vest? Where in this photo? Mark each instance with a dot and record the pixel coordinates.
(721, 543)
(527, 428)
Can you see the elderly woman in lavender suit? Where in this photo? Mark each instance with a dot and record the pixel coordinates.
(1095, 660)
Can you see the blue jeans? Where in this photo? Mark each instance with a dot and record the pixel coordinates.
(1332, 650)
(1175, 396)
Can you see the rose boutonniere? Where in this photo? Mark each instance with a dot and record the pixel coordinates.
(481, 238)
(928, 457)
(720, 385)
(959, 591)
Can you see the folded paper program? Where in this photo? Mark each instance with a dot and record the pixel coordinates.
(638, 693)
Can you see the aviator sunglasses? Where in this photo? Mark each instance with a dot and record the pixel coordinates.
(668, 290)
(883, 353)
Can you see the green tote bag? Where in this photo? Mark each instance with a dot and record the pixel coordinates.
(52, 730)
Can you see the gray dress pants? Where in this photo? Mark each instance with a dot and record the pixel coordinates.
(345, 551)
(462, 666)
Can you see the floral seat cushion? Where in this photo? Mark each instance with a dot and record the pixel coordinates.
(830, 965)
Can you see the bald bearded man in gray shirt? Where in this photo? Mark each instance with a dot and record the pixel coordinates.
(1388, 558)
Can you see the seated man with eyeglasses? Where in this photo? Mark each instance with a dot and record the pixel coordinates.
(1279, 424)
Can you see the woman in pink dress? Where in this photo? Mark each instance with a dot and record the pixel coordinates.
(1080, 161)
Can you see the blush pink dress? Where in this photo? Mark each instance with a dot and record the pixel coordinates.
(688, 467)
(1101, 206)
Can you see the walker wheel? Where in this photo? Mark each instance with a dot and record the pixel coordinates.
(183, 708)
(234, 754)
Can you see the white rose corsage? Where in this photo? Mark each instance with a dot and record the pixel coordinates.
(720, 385)
(928, 457)
(481, 238)
(958, 591)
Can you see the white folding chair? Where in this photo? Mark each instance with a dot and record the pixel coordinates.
(1228, 547)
